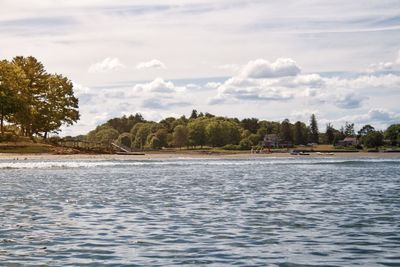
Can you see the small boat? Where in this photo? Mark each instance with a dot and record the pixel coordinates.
(303, 154)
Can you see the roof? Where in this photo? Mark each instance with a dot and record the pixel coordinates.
(350, 139)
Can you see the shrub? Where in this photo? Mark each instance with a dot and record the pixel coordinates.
(231, 147)
(9, 137)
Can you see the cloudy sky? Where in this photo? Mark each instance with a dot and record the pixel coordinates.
(243, 58)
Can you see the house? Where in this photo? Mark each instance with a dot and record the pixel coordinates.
(348, 141)
(273, 141)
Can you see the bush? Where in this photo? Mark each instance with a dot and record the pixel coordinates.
(9, 137)
(231, 147)
(245, 144)
(125, 139)
(53, 140)
(154, 142)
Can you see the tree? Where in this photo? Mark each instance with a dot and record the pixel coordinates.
(125, 124)
(106, 136)
(194, 114)
(286, 131)
(12, 83)
(221, 131)
(330, 134)
(197, 132)
(168, 123)
(59, 106)
(140, 132)
(250, 124)
(393, 134)
(154, 142)
(162, 136)
(373, 139)
(300, 133)
(314, 134)
(48, 100)
(245, 143)
(125, 139)
(349, 129)
(34, 94)
(366, 129)
(180, 136)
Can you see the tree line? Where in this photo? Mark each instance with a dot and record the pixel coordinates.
(35, 101)
(205, 129)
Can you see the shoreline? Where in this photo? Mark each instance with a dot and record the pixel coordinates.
(166, 156)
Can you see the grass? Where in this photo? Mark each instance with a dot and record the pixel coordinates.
(24, 147)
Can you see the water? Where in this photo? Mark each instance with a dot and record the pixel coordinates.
(215, 212)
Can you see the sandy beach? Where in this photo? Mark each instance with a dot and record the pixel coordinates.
(163, 156)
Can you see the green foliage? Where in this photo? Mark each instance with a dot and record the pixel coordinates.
(197, 132)
(125, 139)
(349, 129)
(366, 129)
(125, 124)
(222, 131)
(245, 144)
(330, 134)
(300, 133)
(393, 134)
(106, 136)
(9, 137)
(286, 132)
(250, 124)
(231, 147)
(39, 102)
(162, 136)
(228, 133)
(314, 133)
(180, 136)
(193, 115)
(140, 132)
(373, 139)
(12, 84)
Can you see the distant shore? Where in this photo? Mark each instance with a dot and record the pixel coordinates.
(165, 156)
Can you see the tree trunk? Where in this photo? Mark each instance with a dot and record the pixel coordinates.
(45, 135)
(2, 123)
(2, 120)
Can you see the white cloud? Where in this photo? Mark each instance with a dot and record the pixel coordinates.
(261, 68)
(349, 100)
(384, 66)
(260, 80)
(304, 115)
(158, 85)
(388, 81)
(378, 67)
(213, 85)
(237, 89)
(379, 117)
(398, 58)
(152, 64)
(106, 65)
(80, 89)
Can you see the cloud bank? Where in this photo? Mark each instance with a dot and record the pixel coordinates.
(106, 65)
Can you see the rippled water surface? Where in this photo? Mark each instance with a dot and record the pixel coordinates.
(215, 212)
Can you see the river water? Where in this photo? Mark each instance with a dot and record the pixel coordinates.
(201, 212)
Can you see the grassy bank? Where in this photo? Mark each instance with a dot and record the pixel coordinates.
(25, 148)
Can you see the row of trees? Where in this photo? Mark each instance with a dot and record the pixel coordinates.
(36, 101)
(208, 130)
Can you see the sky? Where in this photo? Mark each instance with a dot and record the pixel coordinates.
(250, 58)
